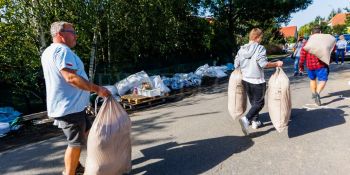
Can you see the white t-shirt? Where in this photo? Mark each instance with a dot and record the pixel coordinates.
(341, 44)
(62, 98)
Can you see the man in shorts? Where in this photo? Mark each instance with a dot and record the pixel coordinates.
(68, 91)
(316, 70)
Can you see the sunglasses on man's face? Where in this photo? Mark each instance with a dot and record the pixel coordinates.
(70, 31)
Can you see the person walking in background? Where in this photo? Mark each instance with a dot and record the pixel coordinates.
(67, 92)
(251, 59)
(316, 69)
(341, 49)
(296, 55)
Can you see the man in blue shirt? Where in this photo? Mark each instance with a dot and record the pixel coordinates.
(68, 91)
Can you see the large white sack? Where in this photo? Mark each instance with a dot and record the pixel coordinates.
(237, 97)
(321, 45)
(158, 83)
(109, 143)
(279, 100)
(131, 82)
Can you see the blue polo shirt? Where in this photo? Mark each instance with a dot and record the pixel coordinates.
(62, 98)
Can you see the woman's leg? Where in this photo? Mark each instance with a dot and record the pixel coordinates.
(296, 65)
(337, 55)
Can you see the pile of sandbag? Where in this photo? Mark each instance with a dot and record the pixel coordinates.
(211, 71)
(321, 45)
(279, 100)
(129, 83)
(237, 98)
(109, 142)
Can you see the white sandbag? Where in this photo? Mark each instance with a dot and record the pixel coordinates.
(321, 45)
(157, 83)
(237, 98)
(219, 72)
(279, 100)
(109, 143)
(131, 82)
(201, 70)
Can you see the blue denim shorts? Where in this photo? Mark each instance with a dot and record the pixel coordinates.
(321, 74)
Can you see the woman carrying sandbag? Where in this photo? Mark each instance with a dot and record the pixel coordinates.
(251, 59)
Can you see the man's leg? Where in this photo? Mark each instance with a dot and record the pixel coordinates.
(313, 86)
(320, 86)
(74, 127)
(71, 159)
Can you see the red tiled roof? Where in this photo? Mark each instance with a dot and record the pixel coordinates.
(289, 31)
(338, 19)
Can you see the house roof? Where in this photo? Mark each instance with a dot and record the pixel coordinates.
(289, 31)
(338, 19)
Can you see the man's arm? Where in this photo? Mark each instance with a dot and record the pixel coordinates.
(77, 81)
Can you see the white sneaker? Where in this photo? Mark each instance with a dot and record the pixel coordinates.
(244, 125)
(256, 124)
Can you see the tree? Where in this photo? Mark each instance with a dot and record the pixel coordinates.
(236, 17)
(339, 29)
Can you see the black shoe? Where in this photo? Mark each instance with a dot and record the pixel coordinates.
(318, 99)
(313, 96)
(295, 74)
(78, 171)
(300, 74)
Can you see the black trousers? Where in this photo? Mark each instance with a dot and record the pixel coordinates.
(256, 96)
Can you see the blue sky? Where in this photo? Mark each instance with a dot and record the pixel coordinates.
(318, 8)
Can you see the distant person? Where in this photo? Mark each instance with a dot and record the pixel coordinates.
(316, 70)
(341, 49)
(67, 92)
(296, 55)
(251, 59)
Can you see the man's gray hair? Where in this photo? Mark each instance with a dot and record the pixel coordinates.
(58, 27)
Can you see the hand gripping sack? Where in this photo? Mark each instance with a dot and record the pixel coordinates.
(109, 143)
(279, 100)
(237, 98)
(321, 45)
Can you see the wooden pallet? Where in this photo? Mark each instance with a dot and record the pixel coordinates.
(131, 102)
(135, 99)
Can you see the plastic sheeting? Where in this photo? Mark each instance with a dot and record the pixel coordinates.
(158, 83)
(211, 71)
(8, 115)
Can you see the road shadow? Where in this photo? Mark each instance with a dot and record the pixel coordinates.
(304, 121)
(345, 93)
(153, 123)
(32, 158)
(190, 158)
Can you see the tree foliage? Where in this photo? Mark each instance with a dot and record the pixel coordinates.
(119, 35)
